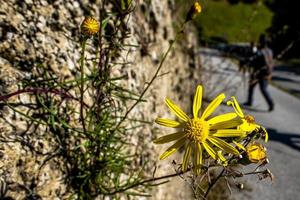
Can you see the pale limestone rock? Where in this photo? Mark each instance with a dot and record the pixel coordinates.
(48, 33)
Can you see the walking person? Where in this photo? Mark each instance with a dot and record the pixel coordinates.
(262, 64)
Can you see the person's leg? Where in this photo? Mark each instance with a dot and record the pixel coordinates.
(263, 84)
(252, 84)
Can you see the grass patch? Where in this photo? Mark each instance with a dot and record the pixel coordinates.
(294, 62)
(237, 23)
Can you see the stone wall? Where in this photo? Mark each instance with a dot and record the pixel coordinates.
(34, 32)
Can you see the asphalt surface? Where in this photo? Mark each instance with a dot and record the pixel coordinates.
(283, 148)
(287, 78)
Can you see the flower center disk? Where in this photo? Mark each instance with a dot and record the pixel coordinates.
(197, 130)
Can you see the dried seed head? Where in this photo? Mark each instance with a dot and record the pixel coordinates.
(240, 185)
(267, 161)
(250, 119)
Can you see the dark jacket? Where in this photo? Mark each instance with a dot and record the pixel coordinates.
(262, 63)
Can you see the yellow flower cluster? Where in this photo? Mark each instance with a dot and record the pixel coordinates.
(203, 133)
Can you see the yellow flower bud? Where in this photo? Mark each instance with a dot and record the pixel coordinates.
(256, 153)
(194, 11)
(90, 26)
(197, 8)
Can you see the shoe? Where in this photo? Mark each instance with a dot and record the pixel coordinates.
(247, 104)
(271, 108)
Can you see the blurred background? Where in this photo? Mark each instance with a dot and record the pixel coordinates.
(235, 21)
(227, 28)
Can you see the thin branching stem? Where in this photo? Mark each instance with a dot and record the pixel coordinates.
(153, 77)
(36, 90)
(101, 55)
(147, 181)
(213, 183)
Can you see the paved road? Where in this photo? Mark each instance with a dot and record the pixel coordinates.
(287, 78)
(283, 125)
(283, 148)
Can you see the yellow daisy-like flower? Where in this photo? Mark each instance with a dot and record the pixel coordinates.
(200, 133)
(256, 152)
(248, 124)
(90, 26)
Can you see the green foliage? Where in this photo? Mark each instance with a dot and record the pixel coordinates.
(285, 27)
(237, 23)
(83, 117)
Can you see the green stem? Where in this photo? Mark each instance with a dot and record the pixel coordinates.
(213, 183)
(37, 90)
(82, 83)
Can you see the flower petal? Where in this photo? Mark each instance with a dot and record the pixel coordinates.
(213, 105)
(176, 110)
(169, 138)
(172, 149)
(186, 157)
(239, 146)
(236, 106)
(227, 124)
(223, 145)
(197, 101)
(248, 127)
(222, 158)
(229, 133)
(222, 118)
(265, 134)
(168, 123)
(209, 150)
(197, 158)
(267, 138)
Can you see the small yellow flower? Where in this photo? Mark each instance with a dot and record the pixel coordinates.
(194, 11)
(200, 133)
(90, 26)
(248, 124)
(197, 8)
(256, 152)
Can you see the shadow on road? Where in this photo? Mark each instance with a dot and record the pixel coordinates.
(295, 91)
(277, 78)
(292, 140)
(286, 68)
(255, 109)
